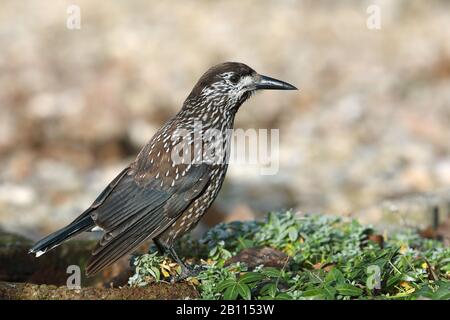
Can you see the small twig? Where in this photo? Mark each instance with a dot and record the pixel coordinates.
(430, 268)
(395, 268)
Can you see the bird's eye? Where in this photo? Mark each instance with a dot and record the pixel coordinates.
(234, 78)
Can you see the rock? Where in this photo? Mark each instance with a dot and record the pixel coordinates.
(266, 256)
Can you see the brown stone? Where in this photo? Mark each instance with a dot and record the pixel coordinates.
(266, 256)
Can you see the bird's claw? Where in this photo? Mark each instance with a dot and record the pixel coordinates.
(186, 272)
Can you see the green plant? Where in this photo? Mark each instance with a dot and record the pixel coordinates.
(330, 258)
(152, 267)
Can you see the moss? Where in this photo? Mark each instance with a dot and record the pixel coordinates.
(162, 291)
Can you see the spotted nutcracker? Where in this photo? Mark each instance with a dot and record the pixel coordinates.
(161, 196)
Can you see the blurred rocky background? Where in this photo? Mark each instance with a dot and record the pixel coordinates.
(368, 134)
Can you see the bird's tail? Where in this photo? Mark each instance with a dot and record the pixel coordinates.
(56, 238)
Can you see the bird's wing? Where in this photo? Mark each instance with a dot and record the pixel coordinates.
(105, 193)
(142, 204)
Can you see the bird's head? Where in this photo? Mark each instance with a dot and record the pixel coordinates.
(229, 84)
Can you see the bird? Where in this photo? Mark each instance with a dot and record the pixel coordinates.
(176, 176)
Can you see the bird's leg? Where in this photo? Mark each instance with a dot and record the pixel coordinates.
(185, 270)
(159, 246)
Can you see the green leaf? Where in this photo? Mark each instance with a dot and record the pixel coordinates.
(443, 293)
(445, 263)
(394, 280)
(349, 290)
(231, 293)
(329, 291)
(313, 293)
(244, 291)
(265, 298)
(293, 233)
(272, 272)
(245, 243)
(269, 289)
(283, 296)
(154, 272)
(250, 277)
(335, 275)
(213, 252)
(225, 284)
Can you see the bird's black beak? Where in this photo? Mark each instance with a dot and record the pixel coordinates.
(269, 83)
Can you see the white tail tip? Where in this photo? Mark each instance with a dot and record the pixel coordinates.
(40, 253)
